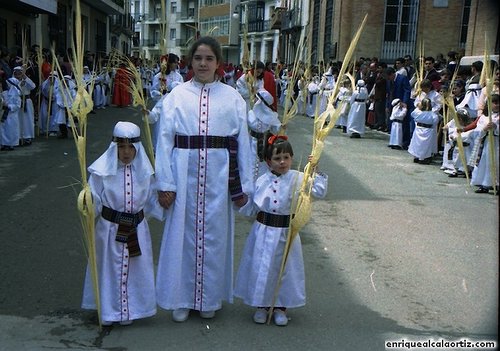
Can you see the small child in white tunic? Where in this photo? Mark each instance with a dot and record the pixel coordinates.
(122, 185)
(259, 269)
(397, 116)
(423, 141)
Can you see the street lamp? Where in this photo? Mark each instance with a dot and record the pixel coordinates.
(236, 12)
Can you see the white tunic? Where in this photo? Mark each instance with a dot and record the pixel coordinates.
(261, 259)
(27, 111)
(357, 114)
(48, 98)
(9, 129)
(126, 284)
(423, 139)
(397, 116)
(195, 267)
(261, 119)
(481, 175)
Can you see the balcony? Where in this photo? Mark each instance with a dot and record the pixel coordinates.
(189, 15)
(276, 17)
(290, 20)
(122, 24)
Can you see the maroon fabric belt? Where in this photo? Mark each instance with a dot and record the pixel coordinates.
(217, 142)
(273, 220)
(127, 227)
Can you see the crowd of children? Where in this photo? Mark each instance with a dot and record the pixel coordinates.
(261, 183)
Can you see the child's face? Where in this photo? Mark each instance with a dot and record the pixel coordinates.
(126, 152)
(280, 163)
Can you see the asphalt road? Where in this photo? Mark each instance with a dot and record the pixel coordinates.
(396, 251)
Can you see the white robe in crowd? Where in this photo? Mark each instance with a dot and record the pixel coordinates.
(195, 267)
(467, 143)
(481, 175)
(312, 99)
(449, 147)
(126, 284)
(436, 106)
(263, 251)
(397, 116)
(242, 88)
(261, 119)
(471, 99)
(357, 113)
(27, 111)
(423, 139)
(101, 88)
(343, 102)
(48, 123)
(9, 128)
(64, 96)
(158, 90)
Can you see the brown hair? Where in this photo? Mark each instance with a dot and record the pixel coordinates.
(209, 41)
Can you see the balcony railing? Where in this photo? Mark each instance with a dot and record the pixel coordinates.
(122, 24)
(290, 20)
(276, 17)
(257, 26)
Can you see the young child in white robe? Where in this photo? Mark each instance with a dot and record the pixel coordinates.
(481, 155)
(397, 116)
(257, 277)
(122, 186)
(423, 141)
(261, 119)
(356, 118)
(451, 154)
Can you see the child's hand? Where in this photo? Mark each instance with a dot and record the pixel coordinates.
(241, 202)
(490, 125)
(166, 198)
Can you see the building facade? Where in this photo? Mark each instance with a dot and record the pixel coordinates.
(106, 24)
(270, 30)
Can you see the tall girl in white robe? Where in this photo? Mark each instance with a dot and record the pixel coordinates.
(260, 264)
(126, 282)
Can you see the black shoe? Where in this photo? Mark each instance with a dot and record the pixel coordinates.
(415, 160)
(482, 190)
(355, 136)
(426, 161)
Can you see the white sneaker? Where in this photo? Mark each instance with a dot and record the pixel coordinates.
(260, 316)
(128, 322)
(280, 317)
(207, 314)
(180, 314)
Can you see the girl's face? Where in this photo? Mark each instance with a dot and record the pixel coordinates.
(280, 163)
(204, 64)
(126, 152)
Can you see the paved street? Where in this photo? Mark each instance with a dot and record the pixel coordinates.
(396, 251)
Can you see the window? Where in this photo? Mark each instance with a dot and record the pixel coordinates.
(400, 28)
(173, 7)
(218, 25)
(400, 20)
(173, 33)
(465, 23)
(214, 2)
